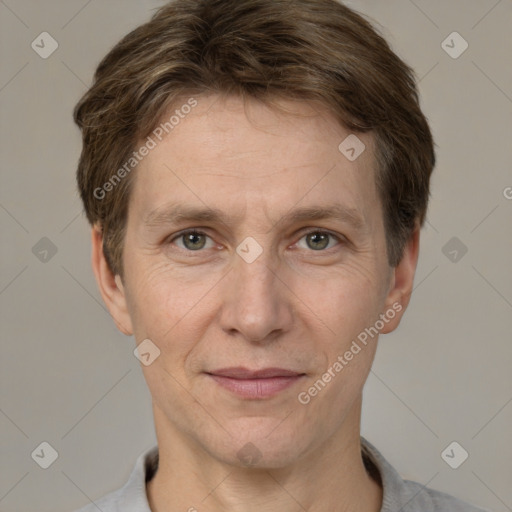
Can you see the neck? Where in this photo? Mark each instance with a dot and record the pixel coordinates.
(331, 477)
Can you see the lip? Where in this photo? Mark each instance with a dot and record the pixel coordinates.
(239, 372)
(255, 384)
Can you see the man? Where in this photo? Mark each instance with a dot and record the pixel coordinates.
(256, 173)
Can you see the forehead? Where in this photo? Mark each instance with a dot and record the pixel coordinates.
(251, 157)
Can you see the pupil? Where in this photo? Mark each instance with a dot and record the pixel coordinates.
(190, 239)
(324, 239)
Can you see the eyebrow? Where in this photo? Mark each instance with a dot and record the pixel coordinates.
(176, 213)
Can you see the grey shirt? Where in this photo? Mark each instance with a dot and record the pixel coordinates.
(398, 495)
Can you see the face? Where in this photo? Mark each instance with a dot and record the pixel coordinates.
(253, 244)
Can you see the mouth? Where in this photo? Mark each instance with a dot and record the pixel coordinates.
(255, 384)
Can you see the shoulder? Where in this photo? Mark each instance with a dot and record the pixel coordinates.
(406, 495)
(424, 498)
(107, 503)
(132, 496)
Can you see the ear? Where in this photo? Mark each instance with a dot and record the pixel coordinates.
(110, 286)
(401, 284)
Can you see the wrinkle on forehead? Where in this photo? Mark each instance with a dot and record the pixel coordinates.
(220, 156)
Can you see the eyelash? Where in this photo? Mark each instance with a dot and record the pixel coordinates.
(202, 233)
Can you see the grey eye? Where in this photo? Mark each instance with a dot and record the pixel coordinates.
(319, 240)
(192, 240)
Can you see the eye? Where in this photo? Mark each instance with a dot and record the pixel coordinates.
(193, 240)
(319, 240)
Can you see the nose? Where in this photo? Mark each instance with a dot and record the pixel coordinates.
(256, 302)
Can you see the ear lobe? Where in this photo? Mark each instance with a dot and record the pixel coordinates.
(402, 280)
(110, 286)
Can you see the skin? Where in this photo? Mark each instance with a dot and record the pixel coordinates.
(298, 306)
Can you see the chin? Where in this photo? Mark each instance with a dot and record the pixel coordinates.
(262, 443)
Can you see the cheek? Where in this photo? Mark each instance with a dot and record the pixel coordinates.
(349, 351)
(173, 310)
(344, 306)
(344, 302)
(160, 298)
(334, 401)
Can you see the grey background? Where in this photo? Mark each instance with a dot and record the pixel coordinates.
(70, 379)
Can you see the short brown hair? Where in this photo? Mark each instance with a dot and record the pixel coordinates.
(316, 50)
